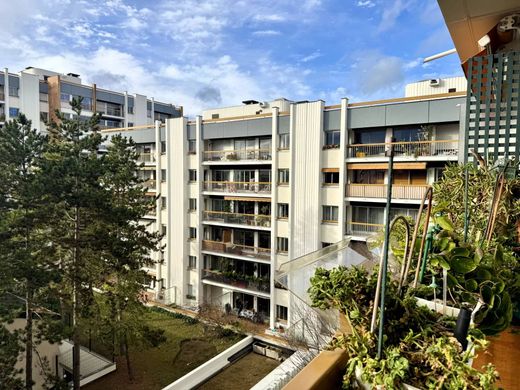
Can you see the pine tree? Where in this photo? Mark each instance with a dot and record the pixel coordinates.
(26, 255)
(73, 169)
(129, 244)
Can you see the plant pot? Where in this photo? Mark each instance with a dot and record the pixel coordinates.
(259, 348)
(438, 307)
(366, 386)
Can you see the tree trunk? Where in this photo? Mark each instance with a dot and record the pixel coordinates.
(28, 337)
(76, 375)
(127, 357)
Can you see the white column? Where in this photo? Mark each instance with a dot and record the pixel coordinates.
(152, 115)
(125, 108)
(6, 93)
(343, 166)
(199, 149)
(274, 227)
(158, 211)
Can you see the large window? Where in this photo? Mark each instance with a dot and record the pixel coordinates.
(332, 138)
(330, 213)
(192, 262)
(192, 146)
(13, 112)
(283, 210)
(375, 136)
(191, 292)
(284, 141)
(192, 233)
(192, 205)
(283, 176)
(282, 244)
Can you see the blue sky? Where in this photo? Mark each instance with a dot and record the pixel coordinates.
(204, 54)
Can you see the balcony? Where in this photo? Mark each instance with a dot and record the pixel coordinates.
(146, 157)
(412, 149)
(363, 228)
(234, 279)
(110, 111)
(238, 186)
(238, 155)
(150, 184)
(258, 220)
(236, 249)
(408, 192)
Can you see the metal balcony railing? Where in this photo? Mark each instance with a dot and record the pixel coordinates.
(379, 191)
(406, 149)
(238, 219)
(236, 249)
(146, 157)
(238, 155)
(363, 227)
(237, 186)
(248, 282)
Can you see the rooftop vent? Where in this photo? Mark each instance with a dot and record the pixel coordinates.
(248, 102)
(435, 82)
(73, 75)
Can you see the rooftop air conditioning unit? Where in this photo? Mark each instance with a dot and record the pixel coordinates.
(435, 82)
(264, 104)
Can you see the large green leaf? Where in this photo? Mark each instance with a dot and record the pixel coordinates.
(462, 265)
(464, 252)
(444, 222)
(471, 284)
(488, 296)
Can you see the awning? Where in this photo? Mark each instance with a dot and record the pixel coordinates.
(247, 199)
(414, 165)
(334, 170)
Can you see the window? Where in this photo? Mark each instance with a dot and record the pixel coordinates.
(13, 91)
(374, 136)
(192, 233)
(281, 313)
(330, 178)
(163, 147)
(44, 97)
(190, 294)
(130, 109)
(130, 124)
(192, 175)
(282, 244)
(13, 112)
(149, 113)
(163, 175)
(192, 262)
(163, 230)
(332, 139)
(192, 204)
(330, 213)
(284, 141)
(214, 116)
(450, 90)
(65, 97)
(163, 202)
(44, 116)
(283, 176)
(192, 145)
(283, 210)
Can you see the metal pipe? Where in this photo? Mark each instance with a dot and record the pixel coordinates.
(385, 250)
(429, 193)
(440, 55)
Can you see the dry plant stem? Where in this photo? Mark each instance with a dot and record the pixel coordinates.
(429, 194)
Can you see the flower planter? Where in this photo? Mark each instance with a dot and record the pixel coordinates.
(259, 348)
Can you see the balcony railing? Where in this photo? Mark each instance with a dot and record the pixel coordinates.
(110, 111)
(380, 190)
(364, 227)
(236, 249)
(146, 157)
(237, 186)
(238, 219)
(238, 280)
(150, 184)
(238, 155)
(404, 149)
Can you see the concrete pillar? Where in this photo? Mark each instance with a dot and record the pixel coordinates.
(158, 210)
(7, 98)
(274, 230)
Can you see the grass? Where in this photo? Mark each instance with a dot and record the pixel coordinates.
(188, 344)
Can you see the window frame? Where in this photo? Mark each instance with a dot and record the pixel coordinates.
(282, 211)
(283, 173)
(331, 212)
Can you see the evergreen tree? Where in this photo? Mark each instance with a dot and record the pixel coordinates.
(129, 244)
(73, 169)
(25, 254)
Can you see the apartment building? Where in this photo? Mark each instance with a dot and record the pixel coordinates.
(245, 189)
(38, 93)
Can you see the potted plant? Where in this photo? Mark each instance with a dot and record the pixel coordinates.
(419, 347)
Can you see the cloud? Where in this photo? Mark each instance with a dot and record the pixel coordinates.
(366, 4)
(311, 56)
(391, 13)
(266, 32)
(269, 18)
(209, 94)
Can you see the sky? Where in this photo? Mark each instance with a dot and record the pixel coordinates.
(214, 53)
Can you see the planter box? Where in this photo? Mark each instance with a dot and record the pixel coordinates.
(259, 348)
(272, 353)
(438, 307)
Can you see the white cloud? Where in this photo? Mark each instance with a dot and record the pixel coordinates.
(266, 32)
(269, 18)
(311, 56)
(367, 4)
(391, 13)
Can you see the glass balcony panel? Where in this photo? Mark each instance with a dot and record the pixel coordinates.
(238, 219)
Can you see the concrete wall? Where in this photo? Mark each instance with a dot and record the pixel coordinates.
(30, 98)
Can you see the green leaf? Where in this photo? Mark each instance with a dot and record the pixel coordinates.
(444, 263)
(444, 223)
(462, 265)
(488, 296)
(464, 252)
(471, 284)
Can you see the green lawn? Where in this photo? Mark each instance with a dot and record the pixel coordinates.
(187, 347)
